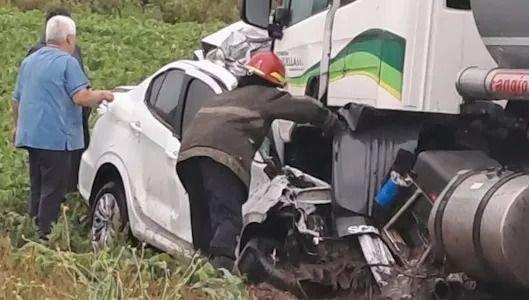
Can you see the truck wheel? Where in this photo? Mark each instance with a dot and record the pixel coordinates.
(109, 215)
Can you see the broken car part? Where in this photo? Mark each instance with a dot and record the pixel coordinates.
(378, 257)
(287, 240)
(236, 50)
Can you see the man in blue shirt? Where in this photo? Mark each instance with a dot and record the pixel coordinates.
(50, 91)
(76, 157)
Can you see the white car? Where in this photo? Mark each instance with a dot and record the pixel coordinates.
(128, 173)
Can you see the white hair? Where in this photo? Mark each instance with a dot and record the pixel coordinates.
(58, 28)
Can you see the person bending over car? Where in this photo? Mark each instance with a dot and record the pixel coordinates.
(47, 118)
(219, 146)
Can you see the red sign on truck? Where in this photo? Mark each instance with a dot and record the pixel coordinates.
(509, 84)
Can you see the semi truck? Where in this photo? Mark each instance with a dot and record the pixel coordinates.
(429, 183)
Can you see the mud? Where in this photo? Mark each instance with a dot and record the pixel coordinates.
(265, 291)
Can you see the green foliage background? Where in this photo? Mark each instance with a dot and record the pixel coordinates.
(171, 11)
(117, 51)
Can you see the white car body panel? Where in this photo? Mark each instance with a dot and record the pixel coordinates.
(130, 139)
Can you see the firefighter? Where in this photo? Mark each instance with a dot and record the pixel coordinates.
(220, 144)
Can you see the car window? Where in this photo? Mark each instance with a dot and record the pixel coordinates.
(197, 94)
(155, 89)
(168, 97)
(303, 9)
(164, 95)
(458, 4)
(345, 2)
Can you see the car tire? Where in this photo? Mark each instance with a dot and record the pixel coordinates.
(109, 218)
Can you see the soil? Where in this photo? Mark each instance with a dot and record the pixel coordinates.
(265, 291)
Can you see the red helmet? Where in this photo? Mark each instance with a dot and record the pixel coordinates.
(268, 66)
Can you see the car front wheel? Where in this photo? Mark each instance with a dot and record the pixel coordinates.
(109, 216)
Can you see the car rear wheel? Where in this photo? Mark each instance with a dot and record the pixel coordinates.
(109, 216)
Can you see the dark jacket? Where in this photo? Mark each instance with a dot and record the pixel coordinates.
(86, 110)
(230, 128)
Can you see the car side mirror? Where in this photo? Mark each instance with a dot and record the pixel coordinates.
(256, 12)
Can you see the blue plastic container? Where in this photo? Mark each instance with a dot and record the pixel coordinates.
(387, 194)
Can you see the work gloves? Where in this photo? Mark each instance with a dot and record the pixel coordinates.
(338, 125)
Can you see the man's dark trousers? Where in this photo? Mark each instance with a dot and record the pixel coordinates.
(76, 155)
(48, 172)
(216, 196)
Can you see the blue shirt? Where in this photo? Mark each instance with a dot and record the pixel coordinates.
(48, 118)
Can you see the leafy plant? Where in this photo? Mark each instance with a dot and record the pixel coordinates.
(197, 10)
(117, 51)
(171, 11)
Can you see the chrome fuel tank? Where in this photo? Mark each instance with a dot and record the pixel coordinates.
(479, 225)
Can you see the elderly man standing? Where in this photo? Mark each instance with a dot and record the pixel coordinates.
(77, 54)
(47, 116)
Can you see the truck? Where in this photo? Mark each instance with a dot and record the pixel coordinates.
(429, 183)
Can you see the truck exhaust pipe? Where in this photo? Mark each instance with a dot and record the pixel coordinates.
(496, 84)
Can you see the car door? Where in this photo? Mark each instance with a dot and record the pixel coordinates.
(199, 89)
(172, 99)
(157, 187)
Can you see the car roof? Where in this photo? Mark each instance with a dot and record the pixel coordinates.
(226, 80)
(222, 77)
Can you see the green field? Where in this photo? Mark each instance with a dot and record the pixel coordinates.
(117, 51)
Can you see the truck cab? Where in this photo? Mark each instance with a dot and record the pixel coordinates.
(388, 54)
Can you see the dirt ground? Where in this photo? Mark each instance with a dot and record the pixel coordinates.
(265, 291)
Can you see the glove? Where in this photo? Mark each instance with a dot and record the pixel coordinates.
(338, 125)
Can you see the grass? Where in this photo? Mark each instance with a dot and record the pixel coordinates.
(34, 271)
(118, 51)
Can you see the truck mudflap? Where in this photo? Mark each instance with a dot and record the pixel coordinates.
(361, 159)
